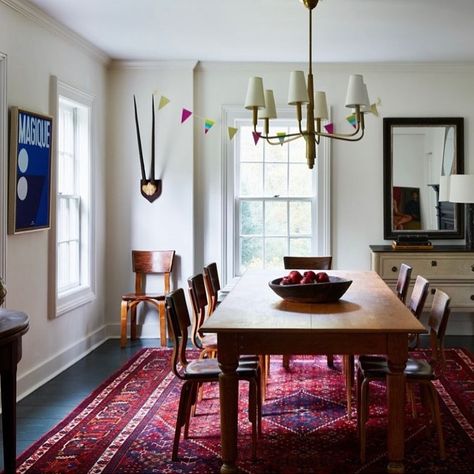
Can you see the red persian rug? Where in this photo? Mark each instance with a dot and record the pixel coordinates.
(127, 425)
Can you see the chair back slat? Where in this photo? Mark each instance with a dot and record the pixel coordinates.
(307, 263)
(437, 323)
(418, 296)
(152, 261)
(178, 322)
(197, 292)
(403, 281)
(212, 284)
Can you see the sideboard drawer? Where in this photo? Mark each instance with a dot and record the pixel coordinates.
(431, 266)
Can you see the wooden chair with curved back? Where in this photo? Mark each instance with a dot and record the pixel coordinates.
(307, 263)
(213, 285)
(145, 262)
(403, 281)
(195, 372)
(417, 303)
(417, 372)
(197, 292)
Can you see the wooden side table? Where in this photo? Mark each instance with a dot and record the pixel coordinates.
(13, 324)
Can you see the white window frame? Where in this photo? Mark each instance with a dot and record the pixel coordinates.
(3, 164)
(68, 300)
(232, 116)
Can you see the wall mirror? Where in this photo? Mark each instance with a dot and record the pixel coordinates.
(417, 151)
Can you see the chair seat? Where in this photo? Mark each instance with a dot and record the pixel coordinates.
(143, 296)
(209, 368)
(415, 369)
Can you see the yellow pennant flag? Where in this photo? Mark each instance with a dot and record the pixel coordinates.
(232, 131)
(163, 102)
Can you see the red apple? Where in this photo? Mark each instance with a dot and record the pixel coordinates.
(285, 281)
(310, 274)
(322, 277)
(307, 280)
(294, 277)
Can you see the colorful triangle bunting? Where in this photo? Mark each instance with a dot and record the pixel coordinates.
(256, 136)
(185, 114)
(329, 128)
(208, 125)
(232, 131)
(352, 120)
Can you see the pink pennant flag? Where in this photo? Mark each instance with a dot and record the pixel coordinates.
(329, 128)
(256, 136)
(185, 114)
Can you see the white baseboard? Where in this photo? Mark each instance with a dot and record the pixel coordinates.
(57, 363)
(147, 331)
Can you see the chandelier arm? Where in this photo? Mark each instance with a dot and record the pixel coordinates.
(267, 139)
(345, 138)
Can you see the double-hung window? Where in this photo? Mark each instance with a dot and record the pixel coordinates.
(73, 201)
(275, 200)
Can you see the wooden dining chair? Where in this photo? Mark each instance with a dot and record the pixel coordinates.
(213, 285)
(417, 372)
(307, 263)
(199, 371)
(403, 281)
(207, 344)
(145, 262)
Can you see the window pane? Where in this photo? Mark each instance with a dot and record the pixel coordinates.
(297, 148)
(62, 269)
(248, 150)
(300, 218)
(276, 218)
(251, 253)
(74, 263)
(63, 214)
(276, 152)
(275, 249)
(251, 179)
(300, 247)
(251, 217)
(301, 179)
(74, 219)
(276, 179)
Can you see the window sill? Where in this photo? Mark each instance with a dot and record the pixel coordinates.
(74, 299)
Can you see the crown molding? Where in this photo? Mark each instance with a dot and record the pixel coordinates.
(188, 65)
(392, 67)
(33, 13)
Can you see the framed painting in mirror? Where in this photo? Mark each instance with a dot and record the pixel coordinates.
(417, 152)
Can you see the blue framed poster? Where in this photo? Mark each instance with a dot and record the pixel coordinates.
(30, 171)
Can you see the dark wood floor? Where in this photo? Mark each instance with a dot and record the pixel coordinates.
(45, 407)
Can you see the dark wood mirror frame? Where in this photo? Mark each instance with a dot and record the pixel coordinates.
(388, 124)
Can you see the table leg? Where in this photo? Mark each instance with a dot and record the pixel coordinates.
(397, 358)
(228, 389)
(8, 386)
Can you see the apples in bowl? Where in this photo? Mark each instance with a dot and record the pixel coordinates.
(310, 287)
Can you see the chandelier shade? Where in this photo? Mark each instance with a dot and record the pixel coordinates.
(301, 93)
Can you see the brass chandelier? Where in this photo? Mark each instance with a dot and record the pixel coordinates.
(262, 104)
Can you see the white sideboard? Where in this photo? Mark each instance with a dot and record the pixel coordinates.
(449, 268)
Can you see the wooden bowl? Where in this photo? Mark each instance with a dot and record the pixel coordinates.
(328, 292)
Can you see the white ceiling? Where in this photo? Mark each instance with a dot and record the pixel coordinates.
(272, 30)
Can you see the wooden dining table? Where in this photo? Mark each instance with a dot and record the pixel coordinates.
(368, 319)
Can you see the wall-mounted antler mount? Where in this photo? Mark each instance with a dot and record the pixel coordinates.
(149, 187)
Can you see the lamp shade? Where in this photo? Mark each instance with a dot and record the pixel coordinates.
(444, 182)
(297, 92)
(269, 111)
(461, 188)
(320, 105)
(255, 96)
(356, 92)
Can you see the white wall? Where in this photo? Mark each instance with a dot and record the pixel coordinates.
(35, 52)
(133, 222)
(418, 90)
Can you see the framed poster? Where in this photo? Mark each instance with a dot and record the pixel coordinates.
(30, 171)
